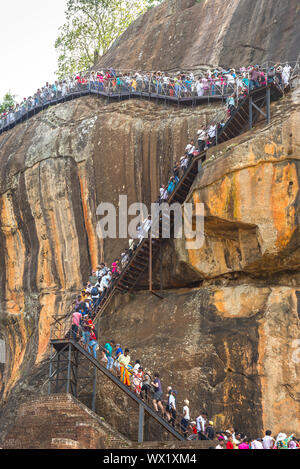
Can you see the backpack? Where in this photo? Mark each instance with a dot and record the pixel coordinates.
(94, 291)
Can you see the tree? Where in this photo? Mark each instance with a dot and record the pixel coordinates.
(7, 102)
(90, 29)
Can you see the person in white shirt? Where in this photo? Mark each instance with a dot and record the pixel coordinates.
(201, 139)
(186, 417)
(212, 131)
(286, 73)
(145, 228)
(184, 161)
(200, 87)
(190, 148)
(172, 407)
(201, 423)
(256, 444)
(268, 440)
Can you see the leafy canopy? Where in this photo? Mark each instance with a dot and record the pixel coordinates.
(7, 102)
(90, 29)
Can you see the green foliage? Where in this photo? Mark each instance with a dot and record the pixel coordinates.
(90, 29)
(8, 101)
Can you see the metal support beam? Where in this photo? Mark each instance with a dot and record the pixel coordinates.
(259, 110)
(50, 370)
(141, 424)
(268, 105)
(69, 368)
(94, 390)
(150, 262)
(57, 373)
(160, 268)
(250, 113)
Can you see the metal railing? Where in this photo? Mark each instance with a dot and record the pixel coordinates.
(143, 84)
(61, 330)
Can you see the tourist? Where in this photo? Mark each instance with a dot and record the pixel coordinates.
(86, 331)
(93, 343)
(229, 443)
(108, 350)
(256, 444)
(186, 417)
(172, 407)
(124, 361)
(201, 426)
(286, 73)
(268, 440)
(245, 444)
(282, 441)
(221, 443)
(201, 140)
(146, 385)
(210, 432)
(137, 380)
(76, 318)
(158, 394)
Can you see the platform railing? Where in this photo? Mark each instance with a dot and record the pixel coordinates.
(131, 85)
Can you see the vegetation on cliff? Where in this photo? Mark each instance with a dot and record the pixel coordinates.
(90, 29)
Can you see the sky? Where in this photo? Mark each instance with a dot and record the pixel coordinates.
(28, 58)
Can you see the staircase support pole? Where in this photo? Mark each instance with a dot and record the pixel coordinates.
(268, 105)
(69, 369)
(141, 424)
(250, 113)
(94, 390)
(161, 268)
(150, 262)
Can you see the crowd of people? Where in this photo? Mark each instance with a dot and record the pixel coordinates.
(217, 82)
(149, 388)
(145, 384)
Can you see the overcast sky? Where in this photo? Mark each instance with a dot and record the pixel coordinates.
(27, 55)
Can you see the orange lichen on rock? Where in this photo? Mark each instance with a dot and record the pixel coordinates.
(285, 189)
(89, 224)
(15, 256)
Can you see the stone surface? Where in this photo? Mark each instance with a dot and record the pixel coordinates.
(185, 34)
(226, 333)
(55, 170)
(61, 422)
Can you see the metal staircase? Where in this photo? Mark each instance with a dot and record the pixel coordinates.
(69, 360)
(242, 119)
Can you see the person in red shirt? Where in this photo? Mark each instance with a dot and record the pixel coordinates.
(229, 444)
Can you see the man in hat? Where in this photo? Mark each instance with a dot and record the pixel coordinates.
(210, 432)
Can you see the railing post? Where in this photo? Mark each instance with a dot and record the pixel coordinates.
(141, 424)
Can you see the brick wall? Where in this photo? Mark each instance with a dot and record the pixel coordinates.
(61, 422)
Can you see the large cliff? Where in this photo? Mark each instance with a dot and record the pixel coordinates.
(234, 335)
(229, 323)
(185, 34)
(55, 170)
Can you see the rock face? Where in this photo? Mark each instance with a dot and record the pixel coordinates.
(185, 34)
(55, 170)
(235, 337)
(227, 333)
